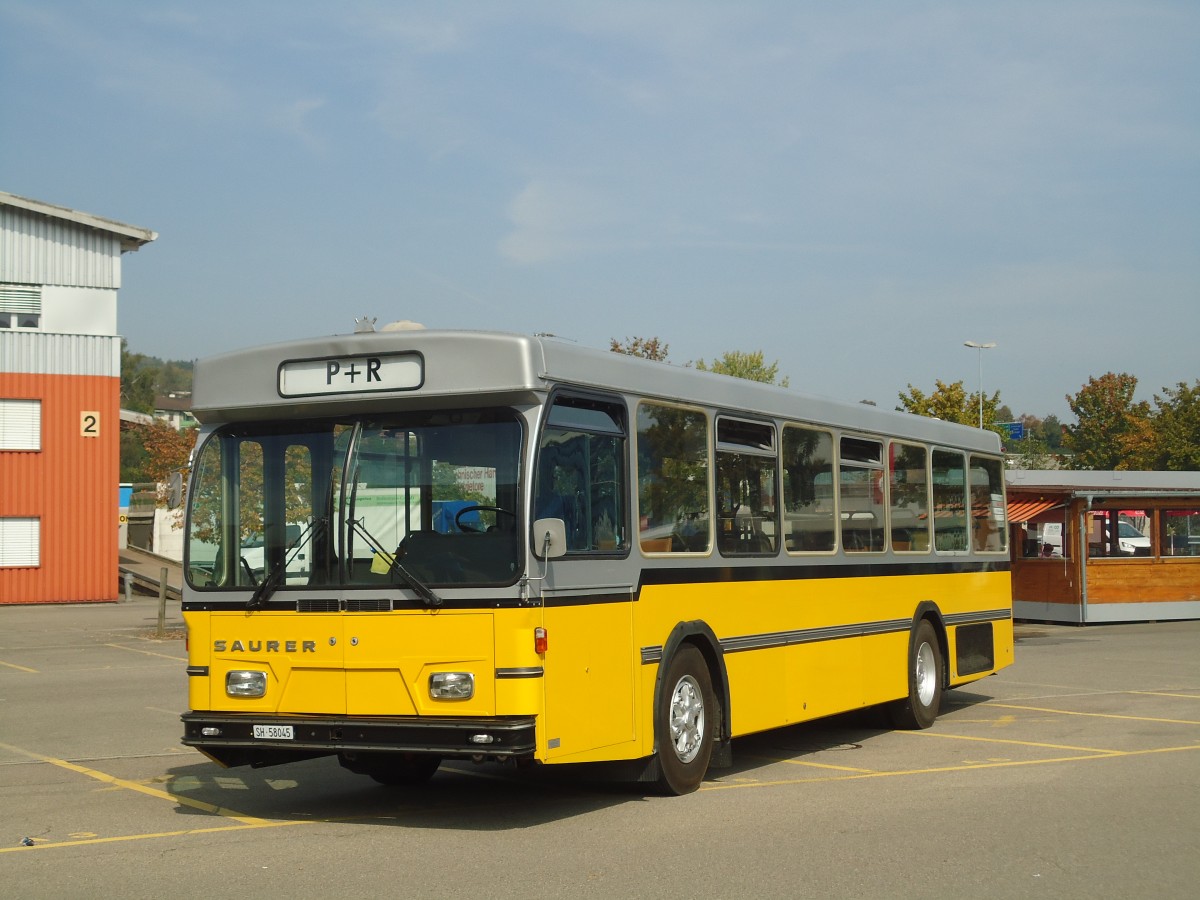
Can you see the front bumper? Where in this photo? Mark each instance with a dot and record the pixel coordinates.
(228, 738)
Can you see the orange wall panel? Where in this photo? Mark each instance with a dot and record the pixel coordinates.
(70, 485)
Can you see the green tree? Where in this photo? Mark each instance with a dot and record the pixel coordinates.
(950, 403)
(647, 348)
(750, 366)
(1039, 448)
(133, 456)
(143, 378)
(1169, 440)
(138, 377)
(1052, 433)
(174, 375)
(167, 451)
(1109, 421)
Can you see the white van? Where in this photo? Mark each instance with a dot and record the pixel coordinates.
(1131, 541)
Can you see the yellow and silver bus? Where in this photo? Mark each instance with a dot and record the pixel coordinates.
(405, 547)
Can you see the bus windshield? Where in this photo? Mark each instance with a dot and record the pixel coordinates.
(416, 500)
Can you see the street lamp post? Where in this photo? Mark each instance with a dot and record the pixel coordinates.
(975, 345)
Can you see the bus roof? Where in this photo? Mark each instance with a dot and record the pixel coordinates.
(460, 368)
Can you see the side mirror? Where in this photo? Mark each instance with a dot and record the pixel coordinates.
(549, 538)
(175, 490)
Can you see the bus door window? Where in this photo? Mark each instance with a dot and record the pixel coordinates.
(746, 488)
(908, 483)
(581, 473)
(861, 495)
(810, 509)
(207, 534)
(251, 514)
(949, 501)
(672, 473)
(258, 508)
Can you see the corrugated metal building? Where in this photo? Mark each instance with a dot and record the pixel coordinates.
(60, 388)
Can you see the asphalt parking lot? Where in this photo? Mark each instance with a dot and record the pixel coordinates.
(1075, 773)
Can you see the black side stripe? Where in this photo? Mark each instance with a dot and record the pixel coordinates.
(526, 672)
(975, 618)
(830, 633)
(785, 571)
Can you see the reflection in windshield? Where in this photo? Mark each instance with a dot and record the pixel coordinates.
(428, 499)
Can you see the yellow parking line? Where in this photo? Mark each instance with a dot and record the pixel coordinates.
(1166, 694)
(147, 652)
(802, 762)
(988, 740)
(45, 845)
(1071, 712)
(966, 767)
(134, 786)
(18, 668)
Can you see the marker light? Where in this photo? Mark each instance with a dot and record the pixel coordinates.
(452, 685)
(540, 640)
(246, 683)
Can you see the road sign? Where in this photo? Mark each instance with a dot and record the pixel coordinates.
(1016, 430)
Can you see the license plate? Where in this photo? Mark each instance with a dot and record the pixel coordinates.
(273, 732)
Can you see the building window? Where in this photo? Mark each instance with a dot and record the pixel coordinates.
(1180, 532)
(19, 543)
(20, 425)
(1119, 533)
(20, 306)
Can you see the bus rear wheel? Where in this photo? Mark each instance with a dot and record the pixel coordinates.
(685, 722)
(920, 708)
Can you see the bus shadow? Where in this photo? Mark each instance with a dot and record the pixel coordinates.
(460, 796)
(494, 797)
(830, 742)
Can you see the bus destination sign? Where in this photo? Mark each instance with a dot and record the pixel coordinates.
(351, 375)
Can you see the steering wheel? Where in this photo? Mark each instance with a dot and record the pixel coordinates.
(462, 526)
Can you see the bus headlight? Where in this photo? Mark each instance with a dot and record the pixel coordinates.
(452, 685)
(246, 683)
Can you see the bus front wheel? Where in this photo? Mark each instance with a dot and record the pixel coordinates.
(920, 708)
(685, 722)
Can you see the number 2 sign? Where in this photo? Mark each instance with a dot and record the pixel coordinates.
(89, 423)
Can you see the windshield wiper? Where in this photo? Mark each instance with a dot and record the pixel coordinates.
(258, 600)
(424, 591)
(394, 565)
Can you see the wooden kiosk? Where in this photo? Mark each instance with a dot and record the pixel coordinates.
(1091, 547)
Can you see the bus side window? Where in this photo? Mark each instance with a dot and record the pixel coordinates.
(580, 473)
(673, 479)
(809, 523)
(949, 501)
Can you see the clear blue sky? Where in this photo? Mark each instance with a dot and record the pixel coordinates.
(853, 188)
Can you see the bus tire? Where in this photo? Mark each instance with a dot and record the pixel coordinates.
(685, 722)
(920, 708)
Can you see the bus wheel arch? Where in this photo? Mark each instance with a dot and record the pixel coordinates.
(927, 672)
(692, 684)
